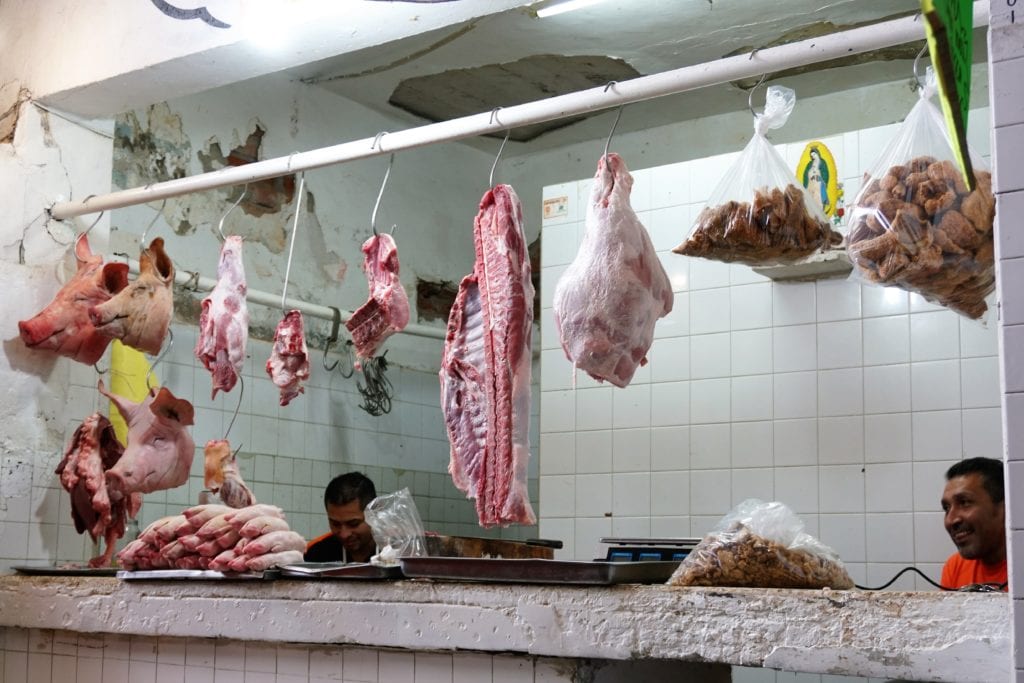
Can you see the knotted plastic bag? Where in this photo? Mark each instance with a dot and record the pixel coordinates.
(396, 527)
(916, 226)
(759, 214)
(761, 545)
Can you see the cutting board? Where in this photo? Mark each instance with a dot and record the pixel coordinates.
(471, 546)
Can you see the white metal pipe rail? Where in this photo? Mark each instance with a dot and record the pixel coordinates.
(801, 53)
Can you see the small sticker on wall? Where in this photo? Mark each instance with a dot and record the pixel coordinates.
(555, 207)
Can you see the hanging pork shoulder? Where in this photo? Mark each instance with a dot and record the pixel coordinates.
(288, 365)
(224, 320)
(387, 309)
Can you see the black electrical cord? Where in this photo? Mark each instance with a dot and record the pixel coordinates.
(972, 588)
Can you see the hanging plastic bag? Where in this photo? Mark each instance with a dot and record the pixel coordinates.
(396, 526)
(759, 214)
(761, 545)
(916, 226)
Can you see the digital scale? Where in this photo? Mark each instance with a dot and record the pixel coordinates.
(648, 549)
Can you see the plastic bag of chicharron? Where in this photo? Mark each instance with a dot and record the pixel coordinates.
(761, 545)
(396, 527)
(759, 214)
(916, 225)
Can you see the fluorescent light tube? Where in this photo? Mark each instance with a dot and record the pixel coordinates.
(567, 6)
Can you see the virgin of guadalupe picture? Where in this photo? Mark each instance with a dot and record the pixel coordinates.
(817, 171)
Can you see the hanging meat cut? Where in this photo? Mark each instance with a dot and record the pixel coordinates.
(221, 475)
(610, 296)
(92, 452)
(64, 326)
(160, 449)
(387, 310)
(288, 365)
(140, 314)
(485, 370)
(224, 320)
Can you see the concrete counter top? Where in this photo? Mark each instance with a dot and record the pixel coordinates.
(919, 636)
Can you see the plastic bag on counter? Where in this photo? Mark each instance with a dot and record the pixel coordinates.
(915, 225)
(396, 526)
(761, 545)
(760, 214)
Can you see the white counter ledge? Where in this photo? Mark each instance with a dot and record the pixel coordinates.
(918, 636)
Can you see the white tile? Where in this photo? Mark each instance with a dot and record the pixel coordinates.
(1011, 274)
(557, 453)
(558, 411)
(752, 398)
(839, 344)
(795, 395)
(878, 301)
(1007, 95)
(399, 667)
(753, 483)
(1013, 358)
(670, 403)
(931, 542)
(710, 355)
(593, 494)
(670, 448)
(709, 311)
(549, 278)
(631, 450)
(556, 372)
(709, 401)
(793, 303)
(640, 195)
(145, 672)
(548, 331)
(980, 382)
(1008, 175)
(676, 526)
(742, 274)
(837, 300)
(841, 440)
(794, 348)
(594, 451)
(670, 184)
(890, 538)
(751, 306)
(670, 359)
(470, 667)
(593, 408)
(873, 142)
(631, 406)
(887, 389)
(842, 488)
(558, 493)
(706, 274)
(929, 481)
(677, 269)
(887, 438)
(708, 174)
(709, 446)
(1014, 426)
(1011, 242)
(937, 435)
(751, 444)
(751, 352)
(977, 339)
(631, 494)
(433, 667)
(889, 487)
(918, 304)
(559, 244)
(934, 336)
(677, 322)
(887, 340)
(935, 385)
(841, 392)
(589, 531)
(710, 492)
(797, 487)
(165, 673)
(670, 494)
(844, 534)
(982, 433)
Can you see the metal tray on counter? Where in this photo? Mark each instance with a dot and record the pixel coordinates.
(340, 570)
(194, 574)
(536, 571)
(49, 570)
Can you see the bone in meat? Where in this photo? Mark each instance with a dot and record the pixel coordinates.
(160, 449)
(140, 314)
(221, 475)
(485, 369)
(288, 365)
(224, 320)
(609, 298)
(387, 309)
(64, 326)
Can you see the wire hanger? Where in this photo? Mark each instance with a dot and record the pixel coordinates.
(291, 246)
(376, 206)
(238, 406)
(220, 225)
(160, 357)
(750, 95)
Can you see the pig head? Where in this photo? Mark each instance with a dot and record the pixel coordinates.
(140, 314)
(64, 326)
(160, 449)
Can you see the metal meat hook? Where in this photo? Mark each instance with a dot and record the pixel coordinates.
(160, 356)
(750, 95)
(241, 393)
(376, 206)
(917, 62)
(508, 132)
(291, 246)
(335, 326)
(145, 233)
(220, 225)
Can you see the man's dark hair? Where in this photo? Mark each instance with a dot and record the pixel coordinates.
(991, 472)
(345, 488)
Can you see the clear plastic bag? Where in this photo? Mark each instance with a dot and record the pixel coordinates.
(761, 545)
(396, 526)
(915, 225)
(760, 214)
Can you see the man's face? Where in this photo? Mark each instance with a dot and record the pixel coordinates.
(350, 527)
(974, 522)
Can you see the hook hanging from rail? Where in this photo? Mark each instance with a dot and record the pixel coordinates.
(508, 132)
(241, 393)
(291, 246)
(750, 95)
(917, 62)
(376, 206)
(149, 227)
(335, 327)
(220, 225)
(160, 356)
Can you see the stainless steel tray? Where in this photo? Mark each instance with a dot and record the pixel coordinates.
(49, 570)
(536, 571)
(340, 570)
(201, 574)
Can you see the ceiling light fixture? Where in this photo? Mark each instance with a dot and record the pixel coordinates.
(567, 6)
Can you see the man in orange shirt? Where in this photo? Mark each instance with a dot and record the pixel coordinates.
(976, 521)
(350, 538)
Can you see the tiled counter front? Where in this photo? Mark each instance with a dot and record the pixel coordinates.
(304, 631)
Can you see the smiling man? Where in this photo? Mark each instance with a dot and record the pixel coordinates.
(976, 521)
(350, 538)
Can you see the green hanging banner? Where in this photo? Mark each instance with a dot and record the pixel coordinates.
(949, 25)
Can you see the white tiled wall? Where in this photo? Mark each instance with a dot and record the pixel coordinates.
(845, 401)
